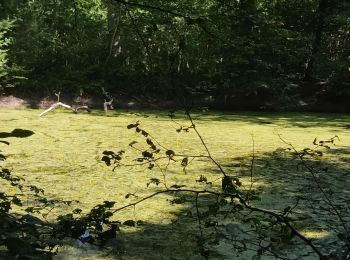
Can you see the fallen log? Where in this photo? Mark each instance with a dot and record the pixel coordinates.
(60, 104)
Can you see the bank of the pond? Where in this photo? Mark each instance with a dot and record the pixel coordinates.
(34, 100)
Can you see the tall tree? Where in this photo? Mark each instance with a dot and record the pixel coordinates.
(324, 9)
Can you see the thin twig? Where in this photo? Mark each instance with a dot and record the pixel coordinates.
(201, 238)
(198, 217)
(205, 145)
(318, 184)
(113, 36)
(251, 169)
(138, 32)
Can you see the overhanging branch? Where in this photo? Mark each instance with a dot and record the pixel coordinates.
(151, 7)
(192, 19)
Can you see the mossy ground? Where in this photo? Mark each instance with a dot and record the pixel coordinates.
(63, 157)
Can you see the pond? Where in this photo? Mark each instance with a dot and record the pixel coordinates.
(64, 155)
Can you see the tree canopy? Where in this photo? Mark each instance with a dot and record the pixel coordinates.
(251, 52)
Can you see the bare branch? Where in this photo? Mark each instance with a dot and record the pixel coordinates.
(318, 184)
(54, 106)
(138, 32)
(205, 145)
(251, 170)
(278, 217)
(60, 104)
(151, 7)
(281, 218)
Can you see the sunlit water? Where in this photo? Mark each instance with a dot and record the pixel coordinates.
(63, 157)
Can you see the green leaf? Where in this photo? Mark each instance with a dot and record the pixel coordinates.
(107, 160)
(132, 143)
(153, 181)
(77, 211)
(108, 152)
(128, 195)
(130, 126)
(147, 154)
(184, 162)
(117, 157)
(108, 204)
(16, 201)
(144, 133)
(227, 184)
(36, 189)
(170, 153)
(30, 209)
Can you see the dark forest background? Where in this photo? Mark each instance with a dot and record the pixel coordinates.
(248, 54)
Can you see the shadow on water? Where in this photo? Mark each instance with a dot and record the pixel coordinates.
(280, 181)
(18, 133)
(288, 119)
(291, 119)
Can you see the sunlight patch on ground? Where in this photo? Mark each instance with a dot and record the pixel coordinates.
(316, 234)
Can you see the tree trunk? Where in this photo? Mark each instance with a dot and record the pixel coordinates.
(113, 18)
(324, 7)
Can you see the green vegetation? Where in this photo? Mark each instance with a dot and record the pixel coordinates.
(249, 54)
(195, 184)
(64, 155)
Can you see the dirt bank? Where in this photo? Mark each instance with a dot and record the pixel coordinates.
(13, 102)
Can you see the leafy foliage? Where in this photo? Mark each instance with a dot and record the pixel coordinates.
(243, 54)
(10, 73)
(22, 235)
(27, 236)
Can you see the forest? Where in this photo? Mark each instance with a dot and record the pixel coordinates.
(134, 129)
(247, 55)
